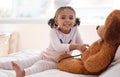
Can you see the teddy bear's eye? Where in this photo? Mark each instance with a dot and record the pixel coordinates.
(97, 27)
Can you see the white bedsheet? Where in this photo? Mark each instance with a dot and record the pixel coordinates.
(7, 73)
(48, 73)
(114, 69)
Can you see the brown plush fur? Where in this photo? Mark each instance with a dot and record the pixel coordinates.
(100, 54)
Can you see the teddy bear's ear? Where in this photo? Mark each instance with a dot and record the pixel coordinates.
(112, 33)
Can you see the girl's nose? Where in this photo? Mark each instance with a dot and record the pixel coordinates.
(67, 19)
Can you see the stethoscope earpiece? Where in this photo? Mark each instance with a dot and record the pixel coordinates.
(62, 41)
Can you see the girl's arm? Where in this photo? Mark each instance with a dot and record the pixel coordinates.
(79, 43)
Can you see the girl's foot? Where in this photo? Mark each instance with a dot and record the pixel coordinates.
(19, 72)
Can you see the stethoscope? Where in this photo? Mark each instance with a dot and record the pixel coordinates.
(69, 57)
(68, 43)
(61, 39)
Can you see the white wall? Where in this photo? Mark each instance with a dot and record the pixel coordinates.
(88, 33)
(36, 36)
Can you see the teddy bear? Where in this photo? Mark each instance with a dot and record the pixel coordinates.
(97, 58)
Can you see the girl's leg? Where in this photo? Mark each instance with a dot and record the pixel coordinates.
(40, 66)
(19, 66)
(24, 62)
(18, 70)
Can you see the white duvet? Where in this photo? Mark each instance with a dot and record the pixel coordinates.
(114, 69)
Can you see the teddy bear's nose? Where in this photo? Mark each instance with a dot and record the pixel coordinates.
(97, 27)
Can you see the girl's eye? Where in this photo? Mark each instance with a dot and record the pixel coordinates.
(62, 17)
(71, 18)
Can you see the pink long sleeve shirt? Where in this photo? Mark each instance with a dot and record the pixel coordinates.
(56, 48)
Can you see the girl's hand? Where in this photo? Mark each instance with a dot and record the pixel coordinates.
(83, 47)
(79, 47)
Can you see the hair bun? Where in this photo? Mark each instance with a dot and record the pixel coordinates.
(51, 22)
(77, 21)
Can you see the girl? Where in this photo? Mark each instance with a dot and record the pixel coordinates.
(64, 37)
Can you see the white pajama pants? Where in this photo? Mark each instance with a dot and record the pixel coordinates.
(37, 64)
(40, 66)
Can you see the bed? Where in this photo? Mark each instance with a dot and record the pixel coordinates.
(9, 41)
(113, 70)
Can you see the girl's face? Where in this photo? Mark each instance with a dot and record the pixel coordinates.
(65, 20)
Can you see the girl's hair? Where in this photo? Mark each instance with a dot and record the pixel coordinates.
(51, 22)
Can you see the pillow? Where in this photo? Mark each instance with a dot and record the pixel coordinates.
(117, 55)
(4, 44)
(116, 58)
(8, 43)
(13, 42)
